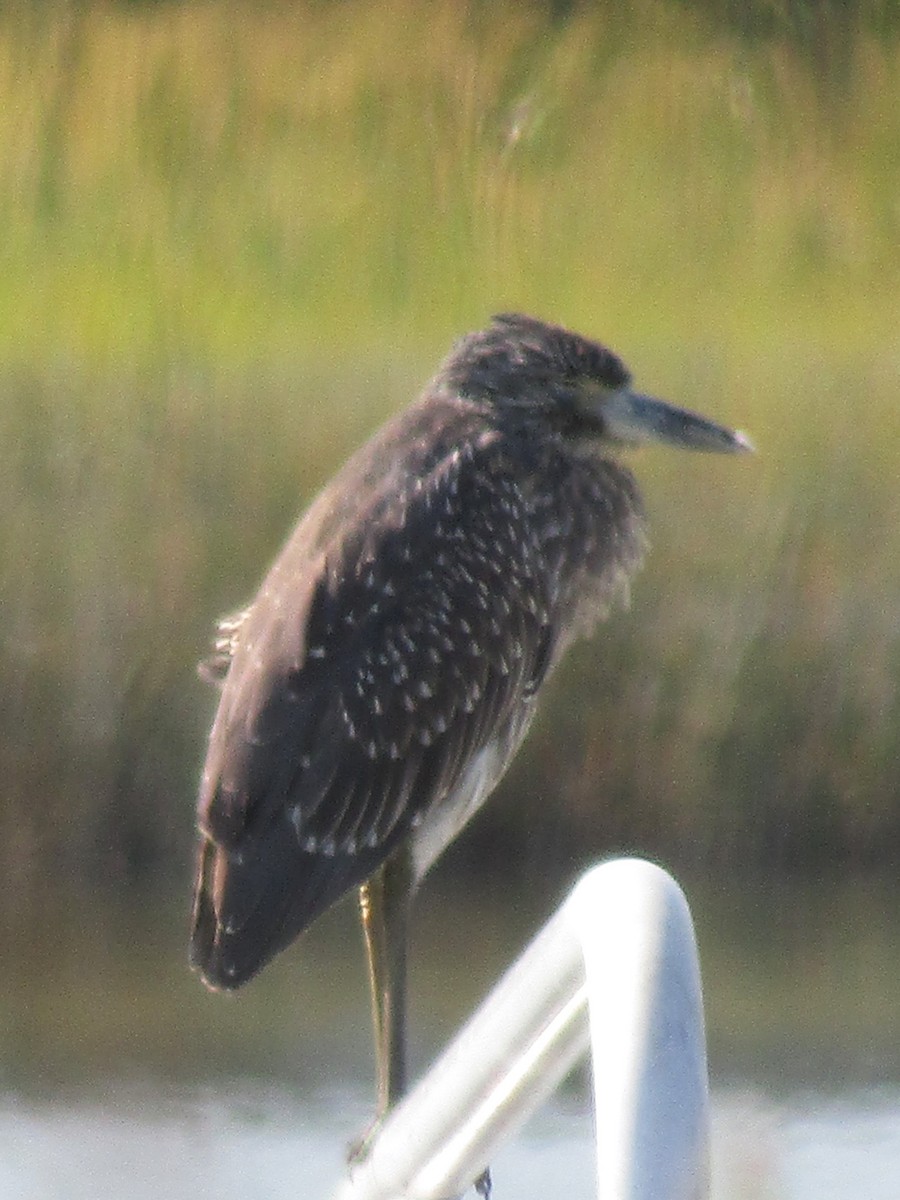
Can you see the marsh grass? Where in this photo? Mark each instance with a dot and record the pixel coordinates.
(235, 237)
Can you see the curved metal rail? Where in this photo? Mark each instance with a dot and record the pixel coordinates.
(615, 971)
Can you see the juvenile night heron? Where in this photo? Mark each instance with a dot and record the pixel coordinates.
(379, 684)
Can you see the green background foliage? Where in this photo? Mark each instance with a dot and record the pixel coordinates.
(235, 237)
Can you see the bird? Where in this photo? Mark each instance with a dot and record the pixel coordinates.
(377, 687)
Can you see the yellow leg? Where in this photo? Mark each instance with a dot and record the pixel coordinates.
(384, 903)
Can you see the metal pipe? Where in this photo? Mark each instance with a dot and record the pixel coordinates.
(615, 969)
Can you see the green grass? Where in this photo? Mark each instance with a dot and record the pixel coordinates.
(235, 237)
(229, 181)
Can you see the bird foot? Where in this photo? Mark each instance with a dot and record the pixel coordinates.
(359, 1148)
(483, 1185)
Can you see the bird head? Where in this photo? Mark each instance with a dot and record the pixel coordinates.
(542, 375)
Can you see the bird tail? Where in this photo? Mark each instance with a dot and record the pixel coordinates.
(249, 904)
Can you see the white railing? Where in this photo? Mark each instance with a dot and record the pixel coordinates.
(614, 971)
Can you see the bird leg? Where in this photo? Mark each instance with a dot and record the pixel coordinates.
(384, 902)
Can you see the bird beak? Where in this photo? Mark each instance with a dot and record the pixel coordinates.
(632, 418)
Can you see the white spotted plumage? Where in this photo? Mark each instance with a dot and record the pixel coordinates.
(387, 671)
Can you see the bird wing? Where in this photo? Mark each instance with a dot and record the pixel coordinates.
(368, 675)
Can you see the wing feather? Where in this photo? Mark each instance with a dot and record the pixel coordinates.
(344, 725)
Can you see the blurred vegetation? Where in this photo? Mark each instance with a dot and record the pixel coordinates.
(236, 236)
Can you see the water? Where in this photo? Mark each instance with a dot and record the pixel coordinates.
(121, 1076)
(250, 1140)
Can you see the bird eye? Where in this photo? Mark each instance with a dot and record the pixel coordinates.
(588, 399)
